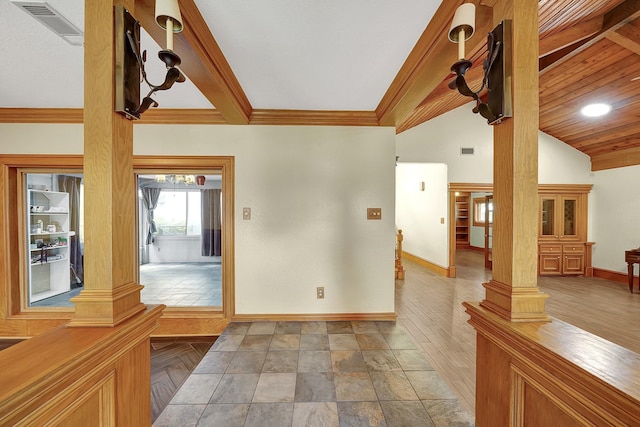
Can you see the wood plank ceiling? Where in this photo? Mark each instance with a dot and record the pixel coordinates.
(589, 52)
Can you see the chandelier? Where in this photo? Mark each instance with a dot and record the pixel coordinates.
(176, 179)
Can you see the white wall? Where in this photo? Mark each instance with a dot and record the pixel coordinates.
(615, 220)
(419, 213)
(308, 188)
(439, 141)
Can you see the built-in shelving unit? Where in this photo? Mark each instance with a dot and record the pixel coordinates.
(48, 244)
(462, 220)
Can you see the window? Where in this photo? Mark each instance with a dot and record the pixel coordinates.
(479, 207)
(178, 213)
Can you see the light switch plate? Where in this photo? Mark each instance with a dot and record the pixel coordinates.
(374, 213)
(246, 213)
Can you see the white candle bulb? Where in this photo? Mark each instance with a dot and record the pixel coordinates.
(461, 36)
(169, 34)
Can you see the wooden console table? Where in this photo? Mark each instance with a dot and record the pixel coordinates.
(632, 257)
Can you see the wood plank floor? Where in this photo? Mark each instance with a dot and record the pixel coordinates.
(429, 306)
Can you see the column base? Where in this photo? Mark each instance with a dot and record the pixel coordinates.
(106, 307)
(515, 304)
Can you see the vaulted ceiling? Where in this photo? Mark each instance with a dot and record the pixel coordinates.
(336, 62)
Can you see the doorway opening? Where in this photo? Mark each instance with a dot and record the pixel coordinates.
(180, 238)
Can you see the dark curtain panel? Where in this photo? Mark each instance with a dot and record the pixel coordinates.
(71, 185)
(211, 223)
(150, 198)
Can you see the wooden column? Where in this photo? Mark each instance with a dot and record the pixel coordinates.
(110, 295)
(513, 292)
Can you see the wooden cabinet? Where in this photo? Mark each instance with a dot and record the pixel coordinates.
(562, 259)
(562, 237)
(462, 220)
(48, 244)
(560, 217)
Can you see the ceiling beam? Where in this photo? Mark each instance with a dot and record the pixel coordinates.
(570, 36)
(429, 63)
(202, 60)
(616, 18)
(627, 36)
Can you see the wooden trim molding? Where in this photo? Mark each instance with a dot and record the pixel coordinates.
(389, 317)
(443, 271)
(614, 276)
(471, 187)
(41, 115)
(19, 321)
(199, 116)
(181, 116)
(319, 118)
(616, 159)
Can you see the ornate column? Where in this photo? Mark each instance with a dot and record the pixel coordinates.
(513, 292)
(110, 295)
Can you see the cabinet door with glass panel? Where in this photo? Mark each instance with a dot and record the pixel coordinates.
(559, 218)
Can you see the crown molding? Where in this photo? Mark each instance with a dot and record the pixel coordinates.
(317, 118)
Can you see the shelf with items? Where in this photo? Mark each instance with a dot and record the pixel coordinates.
(462, 219)
(47, 240)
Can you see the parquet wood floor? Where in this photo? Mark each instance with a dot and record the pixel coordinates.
(172, 360)
(429, 306)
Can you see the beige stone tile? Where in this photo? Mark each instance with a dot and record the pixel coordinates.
(314, 328)
(262, 328)
(197, 389)
(354, 386)
(275, 387)
(285, 342)
(180, 415)
(343, 342)
(392, 386)
(347, 361)
(315, 414)
(269, 414)
(353, 414)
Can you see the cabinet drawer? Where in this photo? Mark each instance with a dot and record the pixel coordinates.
(550, 249)
(572, 249)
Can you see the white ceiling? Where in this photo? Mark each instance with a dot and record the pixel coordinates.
(286, 54)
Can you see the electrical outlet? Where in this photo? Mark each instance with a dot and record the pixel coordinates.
(320, 292)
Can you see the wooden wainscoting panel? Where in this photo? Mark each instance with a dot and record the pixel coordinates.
(53, 370)
(540, 411)
(568, 373)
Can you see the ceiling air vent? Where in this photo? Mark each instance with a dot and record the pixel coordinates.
(466, 151)
(53, 20)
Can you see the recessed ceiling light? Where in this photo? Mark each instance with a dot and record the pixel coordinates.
(595, 110)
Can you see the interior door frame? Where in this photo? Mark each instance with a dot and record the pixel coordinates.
(461, 188)
(200, 320)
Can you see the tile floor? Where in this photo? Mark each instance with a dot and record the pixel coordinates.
(276, 374)
(172, 284)
(182, 284)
